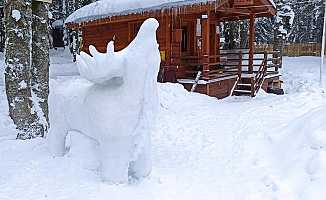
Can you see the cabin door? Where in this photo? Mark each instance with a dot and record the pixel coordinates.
(212, 41)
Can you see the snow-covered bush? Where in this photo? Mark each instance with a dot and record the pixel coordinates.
(116, 106)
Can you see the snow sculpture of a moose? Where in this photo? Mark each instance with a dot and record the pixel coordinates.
(117, 107)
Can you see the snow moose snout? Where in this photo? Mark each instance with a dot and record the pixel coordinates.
(117, 106)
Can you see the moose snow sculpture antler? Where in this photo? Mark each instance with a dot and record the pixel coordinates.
(100, 67)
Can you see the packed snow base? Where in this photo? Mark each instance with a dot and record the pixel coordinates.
(269, 147)
(117, 106)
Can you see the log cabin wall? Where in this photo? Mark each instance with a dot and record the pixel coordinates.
(176, 37)
(99, 36)
(122, 33)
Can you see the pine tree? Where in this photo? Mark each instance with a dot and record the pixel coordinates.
(231, 35)
(282, 26)
(264, 30)
(307, 22)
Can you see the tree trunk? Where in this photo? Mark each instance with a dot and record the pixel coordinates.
(40, 65)
(278, 44)
(18, 18)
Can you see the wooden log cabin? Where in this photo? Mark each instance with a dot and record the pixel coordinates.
(189, 40)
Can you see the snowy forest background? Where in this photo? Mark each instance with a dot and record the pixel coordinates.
(299, 21)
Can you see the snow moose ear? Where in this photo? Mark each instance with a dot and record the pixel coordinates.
(92, 50)
(83, 62)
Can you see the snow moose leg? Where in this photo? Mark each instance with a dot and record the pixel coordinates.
(142, 166)
(58, 130)
(57, 141)
(115, 157)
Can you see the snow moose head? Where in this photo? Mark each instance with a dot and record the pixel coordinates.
(116, 106)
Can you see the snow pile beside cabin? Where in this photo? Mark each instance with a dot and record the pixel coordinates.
(108, 8)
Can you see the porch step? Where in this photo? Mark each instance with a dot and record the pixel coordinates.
(244, 84)
(243, 75)
(272, 72)
(243, 91)
(271, 65)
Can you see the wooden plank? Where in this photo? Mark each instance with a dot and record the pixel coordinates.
(45, 1)
(251, 42)
(243, 2)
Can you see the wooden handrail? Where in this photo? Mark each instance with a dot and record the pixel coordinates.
(259, 78)
(240, 65)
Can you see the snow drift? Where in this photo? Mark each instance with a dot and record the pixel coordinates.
(116, 106)
(297, 156)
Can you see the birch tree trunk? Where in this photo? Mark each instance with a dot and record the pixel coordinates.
(40, 65)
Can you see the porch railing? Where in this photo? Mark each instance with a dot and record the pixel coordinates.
(217, 66)
(231, 65)
(226, 64)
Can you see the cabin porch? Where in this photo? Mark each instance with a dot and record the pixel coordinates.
(227, 74)
(198, 62)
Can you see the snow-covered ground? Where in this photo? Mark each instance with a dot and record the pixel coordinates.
(268, 147)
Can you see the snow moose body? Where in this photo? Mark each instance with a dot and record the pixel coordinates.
(117, 107)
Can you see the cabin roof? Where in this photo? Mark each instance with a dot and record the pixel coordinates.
(109, 8)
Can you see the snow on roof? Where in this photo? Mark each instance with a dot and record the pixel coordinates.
(107, 8)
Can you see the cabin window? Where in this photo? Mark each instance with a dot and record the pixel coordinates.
(184, 41)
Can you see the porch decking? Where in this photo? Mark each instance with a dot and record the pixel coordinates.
(228, 73)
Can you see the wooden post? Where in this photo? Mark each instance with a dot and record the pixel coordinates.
(205, 44)
(168, 36)
(251, 43)
(212, 41)
(218, 43)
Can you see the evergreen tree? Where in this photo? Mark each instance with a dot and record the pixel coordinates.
(282, 26)
(231, 35)
(307, 22)
(299, 21)
(264, 30)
